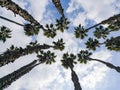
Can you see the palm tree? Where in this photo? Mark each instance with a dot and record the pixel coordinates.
(101, 32)
(10, 78)
(10, 5)
(112, 44)
(31, 29)
(62, 24)
(92, 44)
(4, 33)
(117, 68)
(59, 45)
(11, 21)
(43, 57)
(58, 6)
(46, 57)
(80, 32)
(50, 31)
(28, 28)
(14, 52)
(68, 62)
(113, 25)
(84, 56)
(111, 21)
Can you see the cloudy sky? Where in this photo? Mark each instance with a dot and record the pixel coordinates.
(92, 76)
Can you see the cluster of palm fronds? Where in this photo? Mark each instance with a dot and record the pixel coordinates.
(48, 57)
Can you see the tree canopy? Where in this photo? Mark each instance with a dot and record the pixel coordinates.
(45, 53)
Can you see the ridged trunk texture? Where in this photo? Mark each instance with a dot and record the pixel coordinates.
(75, 80)
(11, 56)
(10, 78)
(58, 6)
(111, 19)
(10, 5)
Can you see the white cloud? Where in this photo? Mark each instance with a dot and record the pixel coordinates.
(103, 55)
(81, 17)
(93, 72)
(50, 77)
(94, 77)
(95, 10)
(37, 8)
(18, 36)
(72, 6)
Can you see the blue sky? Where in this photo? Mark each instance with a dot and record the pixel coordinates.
(92, 76)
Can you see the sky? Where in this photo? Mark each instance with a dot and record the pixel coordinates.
(92, 76)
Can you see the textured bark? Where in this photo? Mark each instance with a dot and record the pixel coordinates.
(111, 19)
(10, 78)
(75, 80)
(10, 5)
(58, 6)
(8, 57)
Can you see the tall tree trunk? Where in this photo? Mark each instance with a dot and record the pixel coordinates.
(107, 21)
(10, 78)
(75, 80)
(11, 56)
(111, 19)
(58, 6)
(10, 5)
(11, 21)
(117, 68)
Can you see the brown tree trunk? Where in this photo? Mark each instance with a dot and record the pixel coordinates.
(107, 21)
(58, 6)
(10, 78)
(10, 5)
(11, 56)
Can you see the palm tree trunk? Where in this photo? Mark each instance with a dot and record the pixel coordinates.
(10, 78)
(75, 80)
(10, 5)
(107, 21)
(93, 26)
(58, 6)
(11, 56)
(111, 19)
(117, 68)
(11, 21)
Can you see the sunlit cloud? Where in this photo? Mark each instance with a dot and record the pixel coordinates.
(55, 77)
